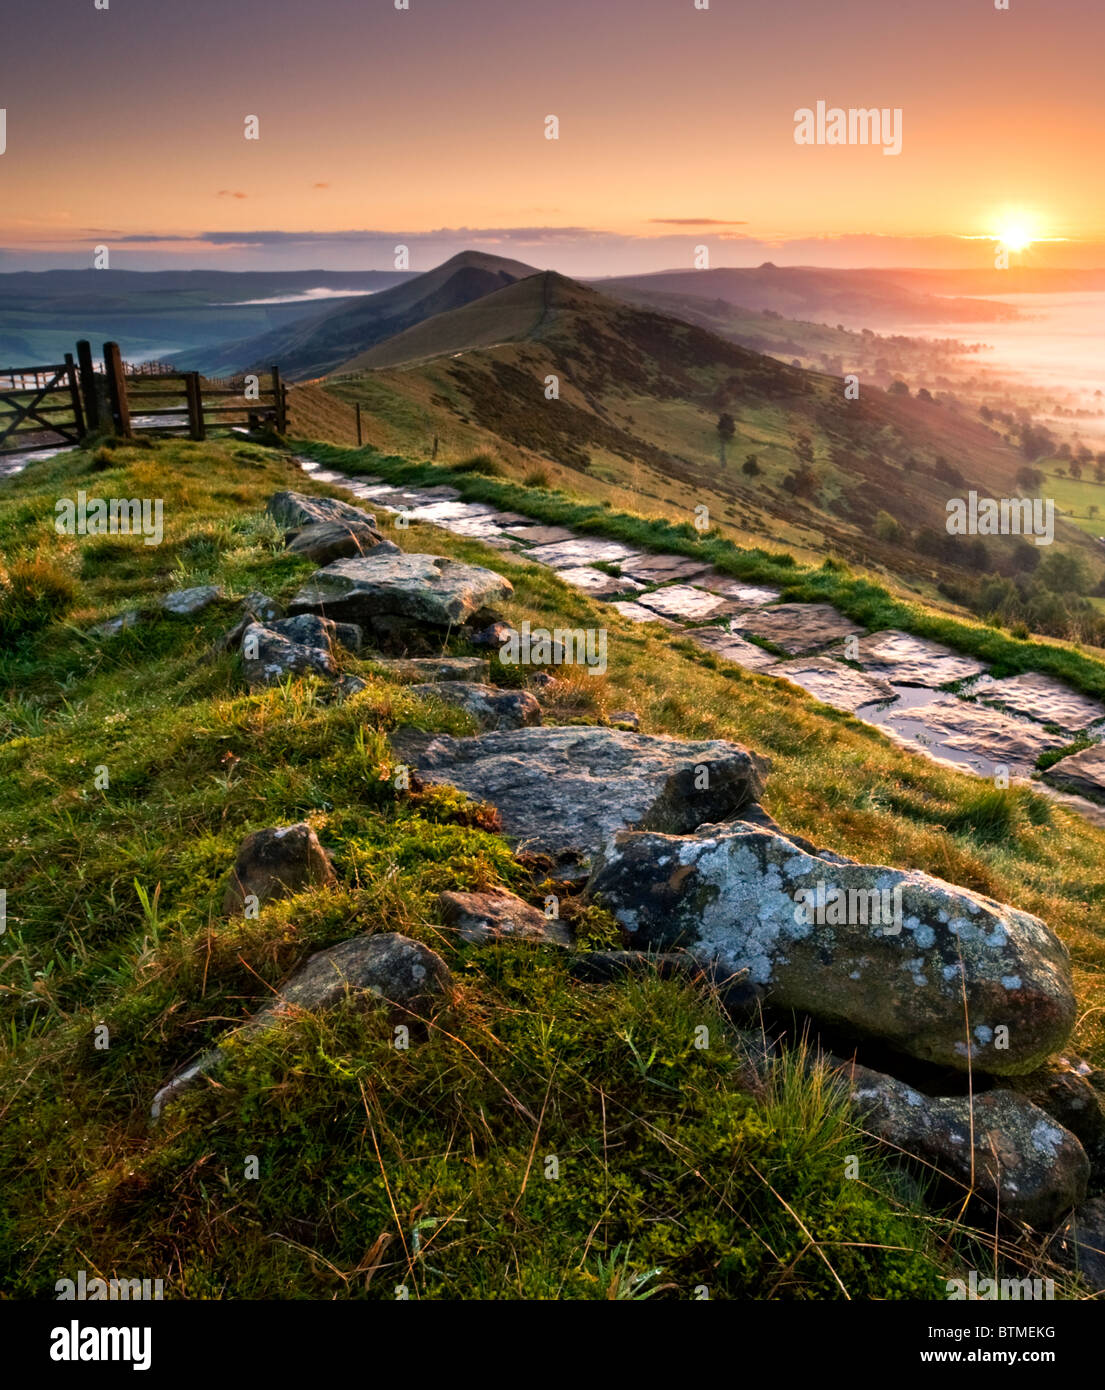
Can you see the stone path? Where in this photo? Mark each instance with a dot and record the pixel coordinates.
(891, 679)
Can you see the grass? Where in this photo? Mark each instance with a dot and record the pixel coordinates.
(428, 1168)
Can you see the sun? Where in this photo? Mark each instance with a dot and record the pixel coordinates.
(1015, 236)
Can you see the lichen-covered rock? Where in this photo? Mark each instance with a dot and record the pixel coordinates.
(492, 707)
(261, 608)
(499, 915)
(1022, 1163)
(323, 541)
(895, 955)
(1061, 1088)
(275, 863)
(186, 603)
(390, 591)
(292, 510)
(1080, 1245)
(566, 791)
(269, 656)
(309, 630)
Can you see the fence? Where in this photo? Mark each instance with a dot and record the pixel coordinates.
(42, 407)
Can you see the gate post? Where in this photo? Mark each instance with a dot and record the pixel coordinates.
(194, 393)
(90, 389)
(75, 396)
(117, 390)
(280, 401)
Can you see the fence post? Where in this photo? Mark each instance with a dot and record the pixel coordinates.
(117, 390)
(93, 414)
(280, 401)
(360, 439)
(75, 396)
(194, 393)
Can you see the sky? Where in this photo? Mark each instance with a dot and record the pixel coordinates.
(426, 127)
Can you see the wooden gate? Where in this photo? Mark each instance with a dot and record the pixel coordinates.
(40, 407)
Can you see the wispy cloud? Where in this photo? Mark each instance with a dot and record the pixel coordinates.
(697, 222)
(230, 193)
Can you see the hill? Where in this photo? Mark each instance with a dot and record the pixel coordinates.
(314, 346)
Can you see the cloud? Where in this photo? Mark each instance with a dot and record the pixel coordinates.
(320, 185)
(227, 193)
(696, 222)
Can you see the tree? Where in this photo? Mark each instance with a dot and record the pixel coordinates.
(898, 388)
(751, 467)
(726, 429)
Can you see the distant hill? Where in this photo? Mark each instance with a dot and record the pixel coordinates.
(316, 345)
(153, 313)
(854, 298)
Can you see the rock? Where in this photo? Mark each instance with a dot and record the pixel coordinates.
(309, 630)
(686, 604)
(186, 603)
(747, 595)
(1061, 1089)
(606, 967)
(1082, 773)
(386, 965)
(111, 627)
(291, 510)
(598, 583)
(277, 863)
(977, 729)
(637, 614)
(269, 656)
(390, 591)
(628, 717)
(436, 668)
(543, 681)
(582, 550)
(797, 628)
(1025, 1165)
(262, 608)
(907, 660)
(661, 569)
(492, 707)
(540, 535)
(565, 791)
(732, 648)
(1040, 697)
(493, 636)
(499, 915)
(744, 896)
(323, 541)
(1080, 1244)
(833, 683)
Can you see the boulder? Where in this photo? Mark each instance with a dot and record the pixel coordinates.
(276, 863)
(261, 607)
(390, 591)
(492, 707)
(269, 656)
(1080, 1244)
(1061, 1088)
(435, 668)
(386, 966)
(884, 953)
(1082, 773)
(309, 630)
(186, 603)
(323, 541)
(499, 915)
(566, 791)
(292, 510)
(1024, 1165)
(112, 627)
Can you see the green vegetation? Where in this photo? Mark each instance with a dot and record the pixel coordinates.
(425, 1167)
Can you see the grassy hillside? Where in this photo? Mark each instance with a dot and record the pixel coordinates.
(424, 1168)
(635, 423)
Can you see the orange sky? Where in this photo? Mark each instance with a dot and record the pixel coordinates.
(124, 127)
